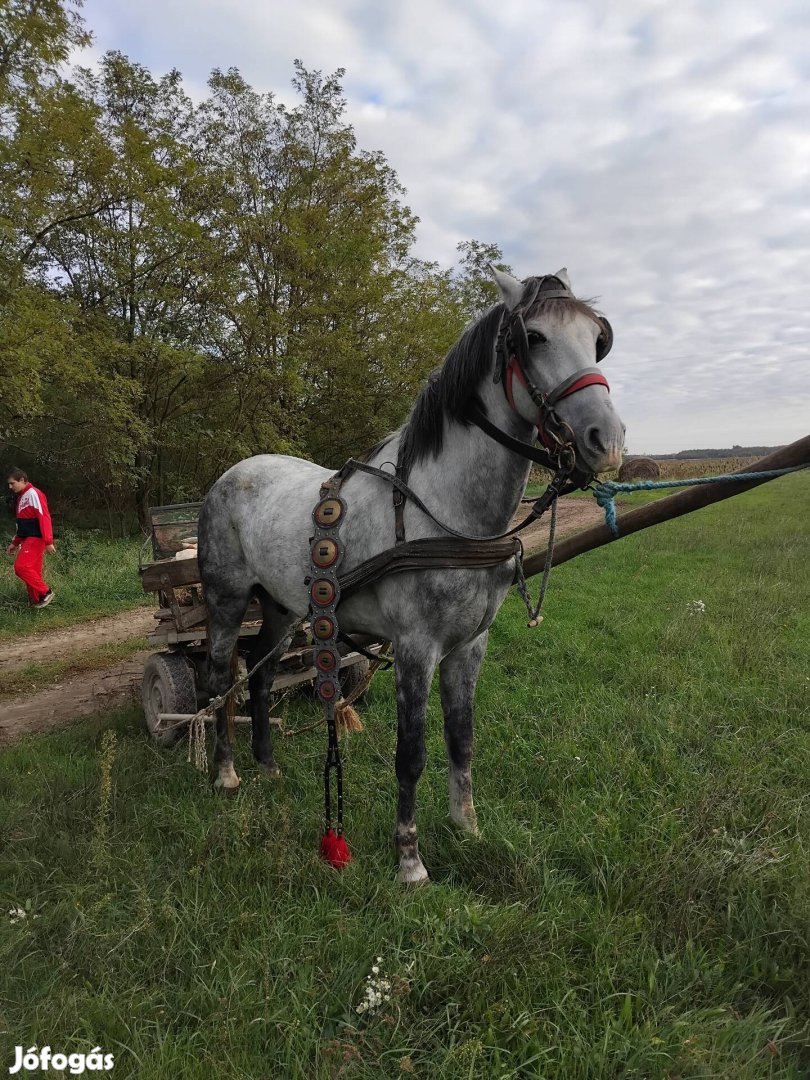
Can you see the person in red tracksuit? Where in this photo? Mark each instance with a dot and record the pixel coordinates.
(33, 538)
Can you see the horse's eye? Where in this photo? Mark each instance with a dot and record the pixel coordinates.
(535, 338)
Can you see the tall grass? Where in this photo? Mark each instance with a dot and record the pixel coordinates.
(638, 904)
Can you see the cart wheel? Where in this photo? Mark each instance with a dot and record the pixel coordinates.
(353, 675)
(168, 687)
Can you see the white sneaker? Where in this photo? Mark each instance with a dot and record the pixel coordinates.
(46, 599)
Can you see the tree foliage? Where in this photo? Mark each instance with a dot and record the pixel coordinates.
(182, 286)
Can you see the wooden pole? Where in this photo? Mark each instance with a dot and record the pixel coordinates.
(683, 502)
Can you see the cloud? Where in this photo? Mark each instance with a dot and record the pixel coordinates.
(660, 151)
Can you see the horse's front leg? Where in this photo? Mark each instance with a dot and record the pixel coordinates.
(458, 674)
(414, 672)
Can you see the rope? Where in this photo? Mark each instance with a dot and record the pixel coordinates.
(365, 682)
(606, 491)
(196, 731)
(535, 618)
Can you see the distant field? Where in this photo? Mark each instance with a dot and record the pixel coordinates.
(670, 469)
(679, 470)
(637, 906)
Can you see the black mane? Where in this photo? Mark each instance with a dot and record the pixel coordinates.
(449, 390)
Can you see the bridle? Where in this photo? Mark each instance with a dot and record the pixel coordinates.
(512, 361)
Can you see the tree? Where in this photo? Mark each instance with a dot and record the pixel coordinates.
(474, 287)
(182, 287)
(125, 266)
(36, 39)
(40, 116)
(309, 291)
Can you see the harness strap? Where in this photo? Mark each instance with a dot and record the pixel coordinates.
(384, 665)
(399, 503)
(542, 504)
(324, 593)
(589, 376)
(430, 553)
(543, 457)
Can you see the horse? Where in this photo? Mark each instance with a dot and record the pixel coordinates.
(256, 525)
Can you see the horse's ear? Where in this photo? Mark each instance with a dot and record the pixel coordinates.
(511, 288)
(564, 278)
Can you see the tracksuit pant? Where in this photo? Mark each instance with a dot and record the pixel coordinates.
(28, 567)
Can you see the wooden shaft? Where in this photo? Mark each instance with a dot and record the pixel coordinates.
(682, 502)
(180, 717)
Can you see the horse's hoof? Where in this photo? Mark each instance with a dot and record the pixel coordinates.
(270, 769)
(412, 872)
(222, 789)
(227, 782)
(466, 823)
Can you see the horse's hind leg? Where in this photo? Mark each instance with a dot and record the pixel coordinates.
(225, 616)
(458, 674)
(414, 672)
(277, 626)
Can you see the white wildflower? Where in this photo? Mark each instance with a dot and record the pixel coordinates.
(696, 607)
(15, 914)
(375, 992)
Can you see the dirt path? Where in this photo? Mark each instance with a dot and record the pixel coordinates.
(80, 695)
(71, 699)
(61, 644)
(573, 515)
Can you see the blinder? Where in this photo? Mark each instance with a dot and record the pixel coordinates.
(604, 343)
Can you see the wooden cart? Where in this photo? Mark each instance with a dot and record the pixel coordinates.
(175, 680)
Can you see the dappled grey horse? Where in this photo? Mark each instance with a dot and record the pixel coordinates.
(256, 524)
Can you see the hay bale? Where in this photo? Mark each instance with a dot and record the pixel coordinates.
(639, 468)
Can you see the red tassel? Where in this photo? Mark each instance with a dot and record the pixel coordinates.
(335, 849)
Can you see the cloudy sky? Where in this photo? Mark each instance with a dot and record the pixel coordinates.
(660, 150)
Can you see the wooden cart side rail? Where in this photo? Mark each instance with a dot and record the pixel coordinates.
(684, 502)
(180, 572)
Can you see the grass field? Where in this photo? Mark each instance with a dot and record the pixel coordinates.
(637, 906)
(90, 575)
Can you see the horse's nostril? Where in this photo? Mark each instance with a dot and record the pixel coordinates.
(594, 439)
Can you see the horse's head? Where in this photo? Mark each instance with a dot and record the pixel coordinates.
(547, 348)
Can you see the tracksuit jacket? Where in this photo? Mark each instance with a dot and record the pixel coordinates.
(33, 519)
